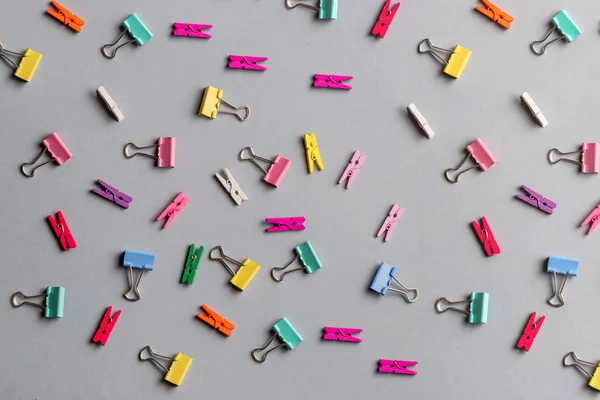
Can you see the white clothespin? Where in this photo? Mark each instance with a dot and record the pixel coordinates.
(423, 124)
(231, 186)
(535, 110)
(110, 103)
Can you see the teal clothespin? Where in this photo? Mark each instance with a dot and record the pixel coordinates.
(136, 28)
(54, 304)
(309, 259)
(191, 264)
(566, 27)
(478, 307)
(286, 333)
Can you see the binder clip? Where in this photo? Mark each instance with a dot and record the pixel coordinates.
(593, 219)
(589, 157)
(173, 209)
(494, 13)
(61, 231)
(58, 152)
(191, 30)
(53, 306)
(277, 171)
(135, 27)
(313, 155)
(176, 371)
(309, 259)
(530, 332)
(66, 17)
(112, 194)
(566, 27)
(332, 81)
(191, 264)
(537, 200)
(216, 321)
(286, 224)
(397, 367)
(165, 152)
(594, 381)
(247, 62)
(478, 307)
(232, 187)
(341, 334)
(382, 280)
(385, 19)
(534, 109)
(110, 103)
(29, 62)
(212, 99)
(421, 121)
(327, 8)
(390, 222)
(480, 155)
(106, 326)
(244, 274)
(286, 333)
(486, 237)
(560, 266)
(138, 260)
(352, 168)
(457, 61)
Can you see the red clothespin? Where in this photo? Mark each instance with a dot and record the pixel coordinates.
(62, 232)
(216, 321)
(385, 19)
(494, 13)
(106, 326)
(66, 17)
(530, 332)
(486, 237)
(173, 209)
(341, 334)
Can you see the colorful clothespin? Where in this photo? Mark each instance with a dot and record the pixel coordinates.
(590, 159)
(486, 237)
(110, 103)
(594, 381)
(53, 306)
(286, 333)
(530, 332)
(352, 168)
(592, 219)
(385, 19)
(106, 326)
(212, 99)
(135, 27)
(138, 260)
(560, 266)
(165, 152)
(332, 81)
(61, 231)
(66, 17)
(172, 210)
(480, 155)
(308, 257)
(29, 62)
(494, 13)
(397, 367)
(232, 187)
(537, 200)
(341, 334)
(457, 61)
(534, 109)
(277, 171)
(244, 274)
(191, 264)
(246, 62)
(113, 194)
(390, 222)
(478, 307)
(191, 30)
(566, 27)
(216, 321)
(176, 371)
(57, 151)
(382, 280)
(421, 121)
(327, 8)
(286, 224)
(313, 156)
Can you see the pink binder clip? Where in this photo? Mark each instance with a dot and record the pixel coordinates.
(341, 334)
(593, 219)
(589, 157)
(352, 169)
(385, 19)
(173, 209)
(246, 62)
(59, 153)
(481, 156)
(165, 152)
(397, 367)
(191, 30)
(332, 81)
(390, 222)
(286, 224)
(530, 332)
(277, 171)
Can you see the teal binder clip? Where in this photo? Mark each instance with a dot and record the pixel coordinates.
(309, 259)
(566, 27)
(191, 264)
(478, 307)
(286, 333)
(54, 305)
(136, 28)
(560, 266)
(327, 8)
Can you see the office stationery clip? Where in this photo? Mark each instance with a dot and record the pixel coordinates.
(138, 260)
(352, 168)
(486, 237)
(173, 209)
(390, 222)
(534, 109)
(277, 171)
(590, 158)
(530, 332)
(66, 17)
(244, 275)
(421, 121)
(286, 333)
(191, 30)
(593, 219)
(457, 61)
(106, 326)
(560, 266)
(566, 27)
(327, 8)
(494, 13)
(332, 81)
(341, 334)
(216, 321)
(29, 62)
(110, 103)
(176, 371)
(53, 306)
(397, 367)
(61, 231)
(382, 280)
(308, 258)
(478, 307)
(385, 19)
(135, 27)
(112, 194)
(594, 381)
(479, 154)
(286, 224)
(57, 152)
(537, 200)
(232, 187)
(191, 264)
(165, 152)
(313, 155)
(211, 101)
(247, 62)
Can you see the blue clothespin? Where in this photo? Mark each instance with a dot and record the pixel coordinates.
(138, 260)
(54, 304)
(136, 28)
(560, 266)
(383, 278)
(286, 333)
(309, 259)
(478, 307)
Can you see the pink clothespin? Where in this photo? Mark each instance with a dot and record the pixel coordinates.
(390, 222)
(352, 169)
(173, 209)
(481, 157)
(247, 62)
(486, 237)
(530, 332)
(191, 30)
(385, 19)
(106, 326)
(62, 232)
(332, 81)
(286, 224)
(59, 153)
(341, 334)
(397, 366)
(593, 219)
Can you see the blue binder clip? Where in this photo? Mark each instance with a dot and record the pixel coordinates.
(135, 27)
(567, 28)
(138, 260)
(383, 278)
(327, 8)
(560, 266)
(309, 259)
(286, 333)
(478, 307)
(54, 305)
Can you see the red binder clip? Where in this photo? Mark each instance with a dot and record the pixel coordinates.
(385, 19)
(486, 237)
(530, 332)
(106, 326)
(62, 232)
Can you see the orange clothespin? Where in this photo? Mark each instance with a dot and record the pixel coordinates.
(66, 17)
(216, 321)
(495, 14)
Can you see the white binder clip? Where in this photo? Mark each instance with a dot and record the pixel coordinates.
(110, 103)
(423, 124)
(535, 110)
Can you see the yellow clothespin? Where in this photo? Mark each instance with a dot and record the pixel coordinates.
(312, 152)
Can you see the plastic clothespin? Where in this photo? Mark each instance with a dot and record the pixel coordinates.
(286, 224)
(313, 156)
(560, 266)
(537, 200)
(61, 231)
(332, 81)
(191, 264)
(212, 99)
(106, 326)
(566, 27)
(592, 219)
(594, 381)
(494, 13)
(385, 19)
(165, 152)
(176, 371)
(534, 109)
(173, 209)
(590, 159)
(112, 194)
(480, 155)
(58, 152)
(478, 307)
(327, 8)
(232, 187)
(421, 121)
(191, 30)
(397, 367)
(390, 222)
(216, 321)
(135, 27)
(138, 260)
(53, 306)
(110, 103)
(530, 332)
(341, 334)
(29, 62)
(383, 278)
(277, 171)
(286, 333)
(352, 168)
(244, 274)
(66, 17)
(457, 61)
(308, 257)
(486, 237)
(247, 62)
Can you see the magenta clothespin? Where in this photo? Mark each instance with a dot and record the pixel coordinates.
(165, 152)
(530, 332)
(173, 209)
(352, 169)
(593, 219)
(332, 81)
(113, 194)
(59, 153)
(286, 224)
(191, 30)
(537, 200)
(481, 157)
(341, 334)
(390, 222)
(247, 62)
(397, 367)
(590, 157)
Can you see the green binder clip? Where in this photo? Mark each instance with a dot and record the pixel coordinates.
(478, 307)
(191, 264)
(136, 28)
(566, 27)
(286, 333)
(55, 301)
(309, 259)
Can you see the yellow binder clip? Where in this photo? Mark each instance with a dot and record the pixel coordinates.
(313, 156)
(212, 99)
(176, 371)
(244, 274)
(29, 62)
(458, 57)
(594, 378)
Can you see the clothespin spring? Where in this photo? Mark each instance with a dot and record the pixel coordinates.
(15, 304)
(127, 155)
(133, 286)
(449, 170)
(223, 258)
(114, 53)
(560, 153)
(443, 299)
(543, 49)
(264, 356)
(432, 52)
(273, 270)
(576, 363)
(253, 157)
(557, 292)
(153, 356)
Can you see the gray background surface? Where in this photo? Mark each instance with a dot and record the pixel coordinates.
(159, 87)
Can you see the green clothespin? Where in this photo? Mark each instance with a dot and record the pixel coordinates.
(191, 264)
(55, 301)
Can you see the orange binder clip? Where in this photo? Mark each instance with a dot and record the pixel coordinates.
(495, 14)
(216, 321)
(66, 17)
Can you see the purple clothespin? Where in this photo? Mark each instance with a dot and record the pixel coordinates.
(390, 222)
(286, 224)
(247, 62)
(537, 200)
(397, 367)
(191, 30)
(332, 81)
(113, 194)
(352, 169)
(341, 334)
